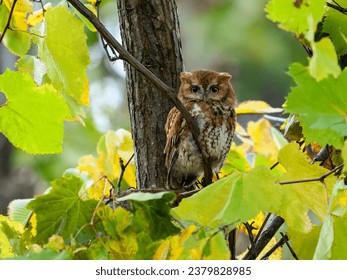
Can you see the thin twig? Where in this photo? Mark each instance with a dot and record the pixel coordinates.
(337, 7)
(289, 247)
(165, 89)
(264, 238)
(232, 244)
(320, 179)
(122, 170)
(278, 244)
(251, 250)
(8, 20)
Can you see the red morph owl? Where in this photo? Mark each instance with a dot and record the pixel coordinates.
(210, 99)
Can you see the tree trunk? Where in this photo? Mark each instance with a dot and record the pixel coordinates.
(150, 32)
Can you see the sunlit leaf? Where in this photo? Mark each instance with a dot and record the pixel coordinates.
(66, 64)
(320, 106)
(335, 24)
(9, 231)
(33, 117)
(61, 211)
(256, 107)
(294, 15)
(324, 61)
(18, 212)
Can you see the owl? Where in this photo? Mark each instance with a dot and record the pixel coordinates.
(210, 99)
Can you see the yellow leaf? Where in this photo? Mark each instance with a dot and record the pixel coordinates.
(33, 223)
(22, 8)
(37, 16)
(261, 134)
(256, 223)
(343, 198)
(162, 251)
(101, 186)
(105, 169)
(5, 244)
(85, 93)
(174, 248)
(56, 243)
(256, 107)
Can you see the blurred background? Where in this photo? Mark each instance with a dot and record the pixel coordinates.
(223, 35)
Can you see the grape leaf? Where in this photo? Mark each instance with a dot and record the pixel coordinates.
(123, 243)
(16, 39)
(46, 254)
(332, 239)
(112, 147)
(9, 232)
(151, 221)
(61, 211)
(65, 52)
(320, 106)
(17, 42)
(324, 60)
(299, 198)
(193, 244)
(235, 198)
(335, 24)
(33, 117)
(294, 15)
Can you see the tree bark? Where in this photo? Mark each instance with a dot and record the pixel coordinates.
(150, 32)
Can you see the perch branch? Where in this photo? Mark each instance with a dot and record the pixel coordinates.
(165, 89)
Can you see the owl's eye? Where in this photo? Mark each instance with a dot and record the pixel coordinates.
(214, 89)
(194, 89)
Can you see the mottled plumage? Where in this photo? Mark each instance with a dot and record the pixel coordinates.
(210, 99)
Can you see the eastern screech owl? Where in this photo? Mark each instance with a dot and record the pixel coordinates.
(210, 99)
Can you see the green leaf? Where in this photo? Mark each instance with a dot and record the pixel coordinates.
(332, 240)
(320, 106)
(46, 254)
(335, 24)
(233, 199)
(62, 211)
(117, 224)
(18, 42)
(294, 15)
(65, 52)
(18, 212)
(153, 217)
(33, 117)
(300, 198)
(304, 244)
(324, 61)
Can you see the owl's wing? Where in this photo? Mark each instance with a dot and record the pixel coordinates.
(173, 129)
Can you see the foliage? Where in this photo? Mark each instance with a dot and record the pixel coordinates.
(94, 211)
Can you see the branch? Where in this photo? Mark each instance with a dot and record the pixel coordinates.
(8, 20)
(166, 90)
(337, 7)
(264, 238)
(320, 179)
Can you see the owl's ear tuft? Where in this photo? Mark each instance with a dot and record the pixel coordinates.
(184, 76)
(225, 75)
